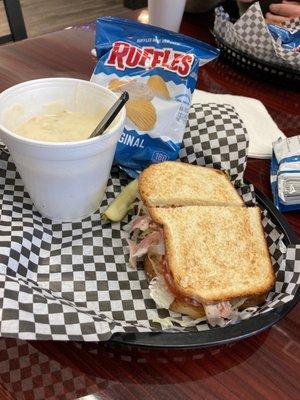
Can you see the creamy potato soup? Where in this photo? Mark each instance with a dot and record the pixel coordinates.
(60, 126)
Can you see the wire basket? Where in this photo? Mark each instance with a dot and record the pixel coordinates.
(267, 71)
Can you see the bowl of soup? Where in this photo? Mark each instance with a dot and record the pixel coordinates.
(46, 124)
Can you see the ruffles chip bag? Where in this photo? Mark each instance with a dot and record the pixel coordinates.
(158, 68)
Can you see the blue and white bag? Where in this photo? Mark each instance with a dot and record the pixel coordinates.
(158, 68)
(286, 38)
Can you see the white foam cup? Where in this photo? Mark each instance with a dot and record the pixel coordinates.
(65, 180)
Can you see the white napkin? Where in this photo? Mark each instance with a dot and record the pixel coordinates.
(261, 128)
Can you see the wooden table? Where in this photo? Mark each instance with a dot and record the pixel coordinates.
(262, 367)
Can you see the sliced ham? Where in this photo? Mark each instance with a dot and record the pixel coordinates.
(158, 249)
(132, 250)
(217, 312)
(148, 244)
(141, 223)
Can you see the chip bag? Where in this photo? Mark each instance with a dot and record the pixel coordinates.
(288, 40)
(158, 68)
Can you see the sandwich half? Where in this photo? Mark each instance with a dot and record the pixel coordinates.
(215, 261)
(172, 183)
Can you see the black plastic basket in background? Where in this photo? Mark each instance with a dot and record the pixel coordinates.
(280, 75)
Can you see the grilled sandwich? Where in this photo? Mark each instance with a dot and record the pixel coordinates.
(204, 252)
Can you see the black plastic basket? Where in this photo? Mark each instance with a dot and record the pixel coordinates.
(258, 68)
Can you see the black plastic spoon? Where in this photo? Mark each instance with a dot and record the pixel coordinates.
(110, 115)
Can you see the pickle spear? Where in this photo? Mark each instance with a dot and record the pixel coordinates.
(119, 208)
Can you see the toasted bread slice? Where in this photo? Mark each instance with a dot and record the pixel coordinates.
(172, 183)
(181, 306)
(216, 253)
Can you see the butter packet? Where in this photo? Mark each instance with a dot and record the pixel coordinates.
(158, 68)
(285, 174)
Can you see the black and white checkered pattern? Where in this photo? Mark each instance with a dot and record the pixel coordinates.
(216, 137)
(246, 191)
(293, 24)
(251, 35)
(72, 281)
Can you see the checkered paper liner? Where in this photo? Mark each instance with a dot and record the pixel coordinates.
(216, 137)
(72, 281)
(250, 35)
(293, 24)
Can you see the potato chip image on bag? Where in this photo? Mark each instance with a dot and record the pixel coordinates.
(136, 89)
(158, 68)
(159, 86)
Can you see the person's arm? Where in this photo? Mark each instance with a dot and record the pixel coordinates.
(279, 13)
